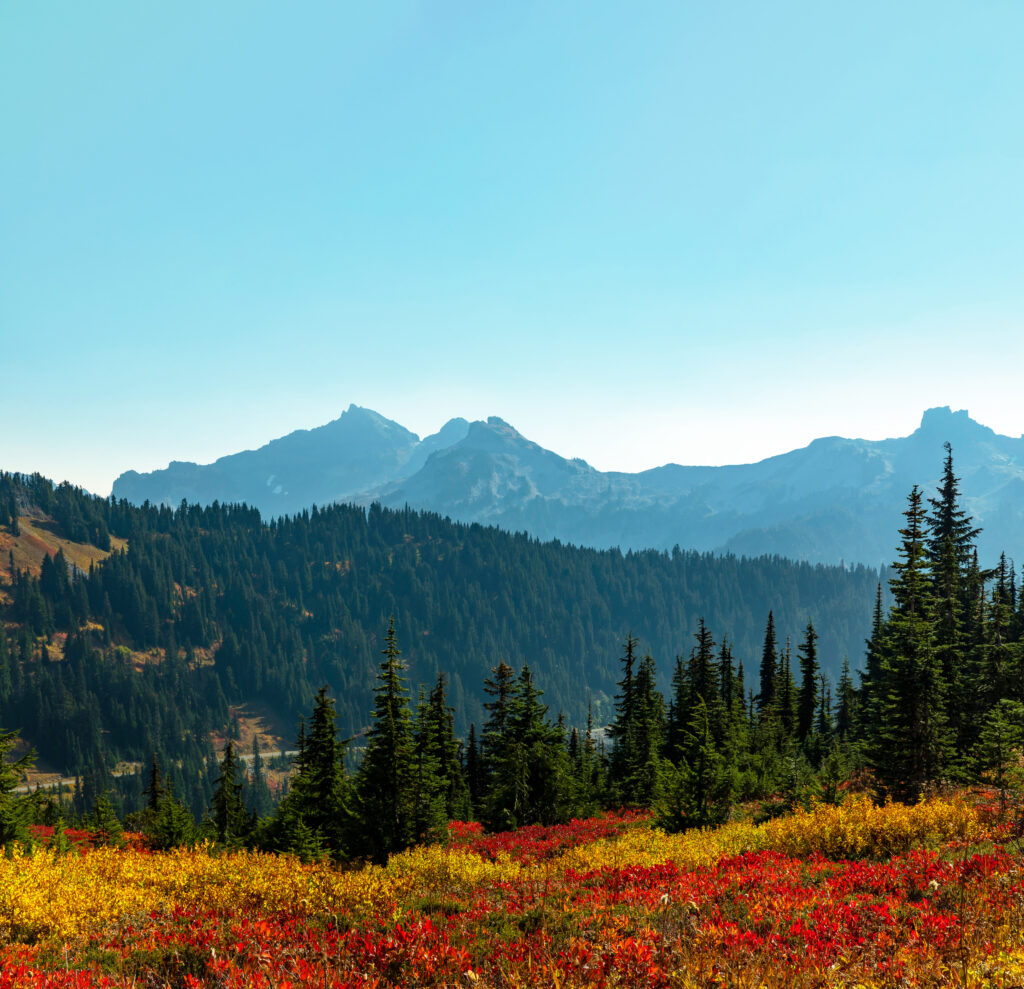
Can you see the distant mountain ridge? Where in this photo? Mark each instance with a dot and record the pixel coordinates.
(835, 499)
(356, 452)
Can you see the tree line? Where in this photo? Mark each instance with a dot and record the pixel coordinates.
(940, 700)
(207, 609)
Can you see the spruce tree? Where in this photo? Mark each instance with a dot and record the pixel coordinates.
(385, 781)
(769, 668)
(230, 821)
(908, 742)
(315, 816)
(445, 749)
(950, 553)
(474, 776)
(531, 781)
(807, 700)
(104, 823)
(500, 687)
(847, 713)
(256, 792)
(623, 729)
(14, 810)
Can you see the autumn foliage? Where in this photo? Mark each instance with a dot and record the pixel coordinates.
(855, 895)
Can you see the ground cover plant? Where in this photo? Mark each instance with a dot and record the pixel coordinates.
(850, 895)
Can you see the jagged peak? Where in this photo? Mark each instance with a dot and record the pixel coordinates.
(943, 423)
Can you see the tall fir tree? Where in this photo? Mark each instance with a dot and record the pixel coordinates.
(316, 816)
(385, 783)
(230, 820)
(769, 668)
(950, 545)
(807, 699)
(909, 742)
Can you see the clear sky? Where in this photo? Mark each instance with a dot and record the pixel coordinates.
(640, 232)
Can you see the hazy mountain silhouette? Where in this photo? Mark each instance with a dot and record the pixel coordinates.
(357, 451)
(835, 499)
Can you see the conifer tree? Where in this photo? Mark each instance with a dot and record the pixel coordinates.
(427, 786)
(531, 781)
(908, 744)
(698, 792)
(648, 735)
(847, 714)
(950, 554)
(998, 750)
(474, 778)
(385, 781)
(623, 729)
(769, 668)
(786, 693)
(807, 700)
(500, 687)
(231, 823)
(439, 738)
(172, 825)
(104, 823)
(256, 792)
(315, 817)
(14, 810)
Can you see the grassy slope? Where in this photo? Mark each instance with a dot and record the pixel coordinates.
(39, 538)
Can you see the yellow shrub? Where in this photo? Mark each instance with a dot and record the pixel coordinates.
(858, 828)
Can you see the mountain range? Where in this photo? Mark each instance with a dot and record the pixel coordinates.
(834, 500)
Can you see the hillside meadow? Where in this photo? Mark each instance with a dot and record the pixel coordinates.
(848, 895)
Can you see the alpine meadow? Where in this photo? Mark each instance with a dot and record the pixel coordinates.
(665, 627)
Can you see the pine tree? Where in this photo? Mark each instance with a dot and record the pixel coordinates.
(998, 750)
(500, 688)
(230, 821)
(623, 729)
(315, 816)
(104, 823)
(474, 776)
(807, 700)
(385, 781)
(532, 779)
(699, 791)
(258, 800)
(908, 742)
(950, 554)
(14, 810)
(769, 668)
(445, 748)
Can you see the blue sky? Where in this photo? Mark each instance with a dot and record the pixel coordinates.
(641, 233)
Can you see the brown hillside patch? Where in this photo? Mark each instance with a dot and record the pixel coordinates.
(256, 720)
(39, 538)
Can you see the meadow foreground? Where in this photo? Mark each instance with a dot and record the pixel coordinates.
(852, 895)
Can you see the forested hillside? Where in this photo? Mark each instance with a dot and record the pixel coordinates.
(197, 609)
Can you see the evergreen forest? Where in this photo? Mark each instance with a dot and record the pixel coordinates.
(198, 611)
(233, 605)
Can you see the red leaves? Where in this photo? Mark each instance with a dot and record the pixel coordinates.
(913, 918)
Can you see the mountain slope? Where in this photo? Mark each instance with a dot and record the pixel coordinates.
(835, 499)
(208, 610)
(358, 450)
